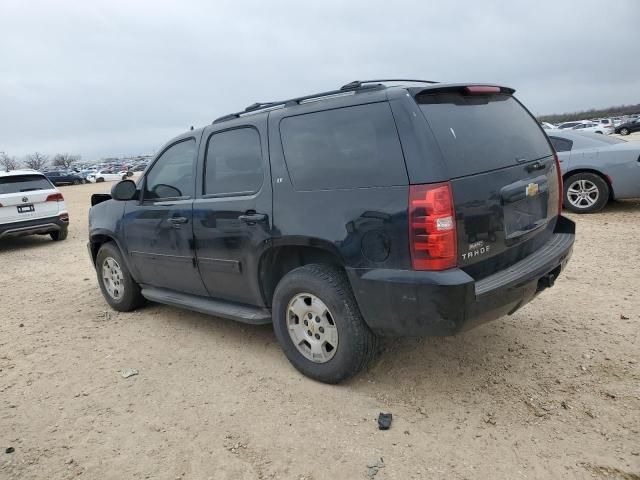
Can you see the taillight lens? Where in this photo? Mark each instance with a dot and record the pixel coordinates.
(560, 185)
(55, 197)
(432, 227)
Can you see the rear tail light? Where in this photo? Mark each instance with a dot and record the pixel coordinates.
(560, 185)
(432, 227)
(55, 197)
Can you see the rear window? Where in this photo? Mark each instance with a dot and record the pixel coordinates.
(347, 147)
(23, 183)
(481, 133)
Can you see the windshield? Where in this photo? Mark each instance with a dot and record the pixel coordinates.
(482, 133)
(23, 183)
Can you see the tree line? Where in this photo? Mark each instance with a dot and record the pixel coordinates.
(592, 113)
(38, 161)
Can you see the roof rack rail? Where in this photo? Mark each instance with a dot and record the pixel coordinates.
(359, 83)
(294, 101)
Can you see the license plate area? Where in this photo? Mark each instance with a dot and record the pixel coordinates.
(26, 208)
(525, 215)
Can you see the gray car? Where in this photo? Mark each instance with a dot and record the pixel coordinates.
(596, 169)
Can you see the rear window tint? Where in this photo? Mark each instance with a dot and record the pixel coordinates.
(347, 147)
(23, 183)
(481, 133)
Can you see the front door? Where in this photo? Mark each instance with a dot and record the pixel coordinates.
(158, 229)
(232, 215)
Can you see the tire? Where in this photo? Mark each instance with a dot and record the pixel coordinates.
(99, 180)
(624, 131)
(77, 182)
(124, 177)
(127, 295)
(59, 235)
(585, 193)
(355, 343)
(599, 132)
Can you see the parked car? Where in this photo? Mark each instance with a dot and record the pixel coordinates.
(547, 125)
(61, 177)
(591, 127)
(31, 205)
(596, 169)
(343, 216)
(107, 176)
(564, 125)
(628, 127)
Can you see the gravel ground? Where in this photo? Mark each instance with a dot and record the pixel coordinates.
(552, 391)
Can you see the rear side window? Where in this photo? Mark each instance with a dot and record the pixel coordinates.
(481, 133)
(234, 163)
(23, 183)
(347, 147)
(561, 144)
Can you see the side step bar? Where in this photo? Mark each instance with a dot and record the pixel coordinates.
(218, 308)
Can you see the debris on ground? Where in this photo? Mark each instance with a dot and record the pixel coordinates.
(9, 450)
(623, 317)
(384, 421)
(374, 467)
(129, 372)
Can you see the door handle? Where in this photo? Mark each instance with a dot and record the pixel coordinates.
(252, 218)
(177, 221)
(535, 166)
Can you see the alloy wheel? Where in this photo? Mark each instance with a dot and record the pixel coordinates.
(583, 194)
(312, 328)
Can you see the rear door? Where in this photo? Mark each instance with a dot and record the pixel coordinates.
(27, 197)
(158, 228)
(233, 214)
(503, 174)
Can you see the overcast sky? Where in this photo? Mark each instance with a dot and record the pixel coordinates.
(109, 78)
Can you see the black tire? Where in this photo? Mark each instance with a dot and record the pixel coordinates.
(131, 298)
(356, 343)
(77, 182)
(99, 180)
(59, 235)
(625, 131)
(124, 177)
(592, 178)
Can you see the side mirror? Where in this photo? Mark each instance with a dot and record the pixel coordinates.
(124, 190)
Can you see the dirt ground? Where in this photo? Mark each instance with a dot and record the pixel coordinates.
(550, 392)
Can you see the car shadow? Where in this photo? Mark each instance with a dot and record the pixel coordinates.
(24, 243)
(453, 363)
(622, 206)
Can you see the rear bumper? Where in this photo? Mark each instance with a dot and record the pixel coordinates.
(35, 226)
(419, 303)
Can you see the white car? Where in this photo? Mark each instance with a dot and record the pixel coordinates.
(31, 205)
(593, 128)
(106, 176)
(548, 126)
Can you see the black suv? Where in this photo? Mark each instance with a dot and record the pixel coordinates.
(374, 209)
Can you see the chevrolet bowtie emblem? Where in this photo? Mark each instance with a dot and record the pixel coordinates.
(532, 189)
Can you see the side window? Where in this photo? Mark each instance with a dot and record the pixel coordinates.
(234, 163)
(172, 174)
(347, 147)
(561, 144)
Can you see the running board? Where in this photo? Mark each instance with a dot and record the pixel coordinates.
(218, 308)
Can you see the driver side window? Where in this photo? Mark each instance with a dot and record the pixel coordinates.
(172, 174)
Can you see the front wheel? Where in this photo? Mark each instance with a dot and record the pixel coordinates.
(118, 287)
(624, 131)
(585, 193)
(319, 326)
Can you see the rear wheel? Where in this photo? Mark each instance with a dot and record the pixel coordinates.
(319, 326)
(585, 193)
(98, 180)
(77, 182)
(118, 287)
(624, 131)
(59, 235)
